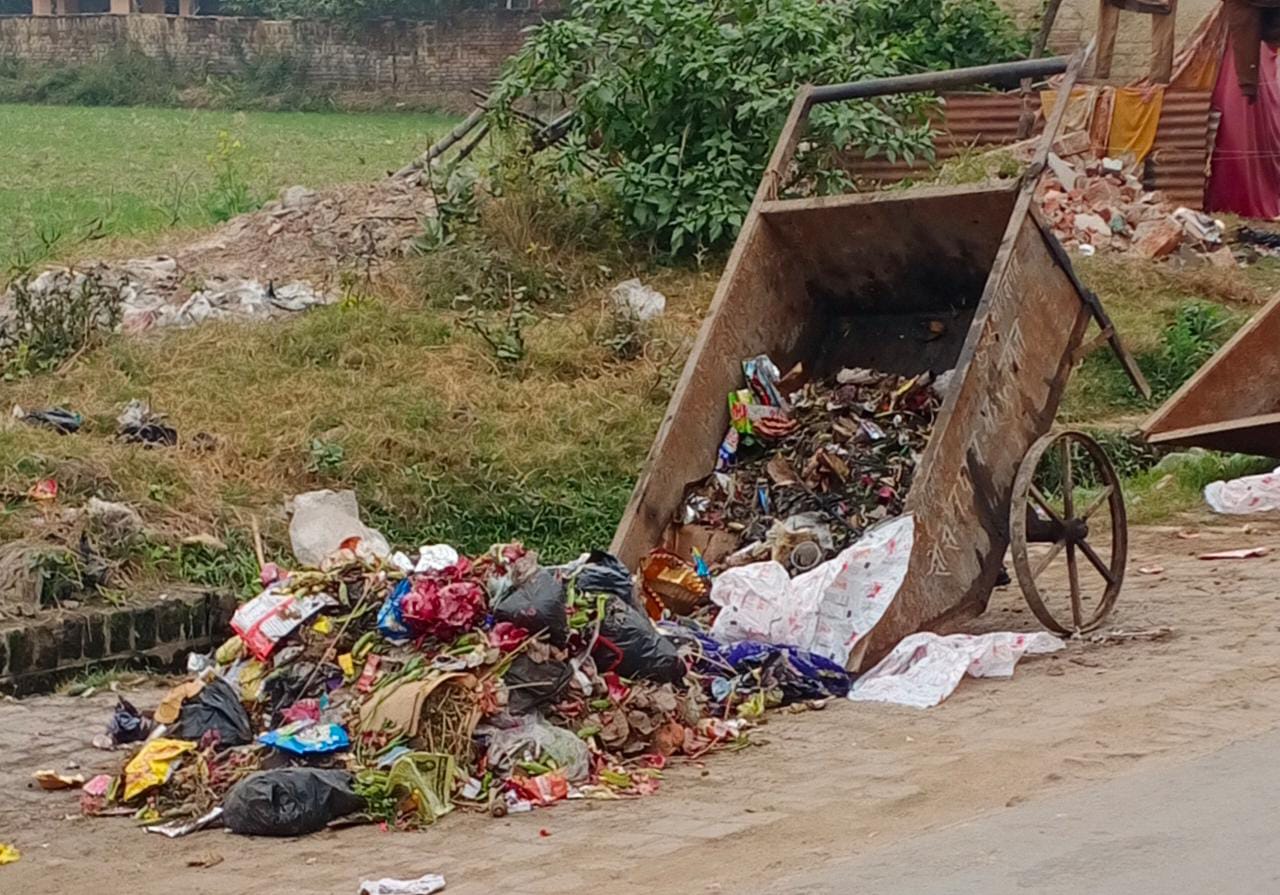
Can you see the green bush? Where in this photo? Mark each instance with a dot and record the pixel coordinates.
(123, 77)
(678, 104)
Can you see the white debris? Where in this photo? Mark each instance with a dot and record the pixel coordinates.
(826, 610)
(322, 520)
(425, 885)
(637, 300)
(1245, 496)
(924, 669)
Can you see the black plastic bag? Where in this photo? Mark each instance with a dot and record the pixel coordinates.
(289, 801)
(216, 709)
(536, 605)
(531, 684)
(631, 646)
(61, 420)
(604, 573)
(127, 724)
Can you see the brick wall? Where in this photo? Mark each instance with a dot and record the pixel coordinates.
(36, 653)
(1077, 21)
(436, 62)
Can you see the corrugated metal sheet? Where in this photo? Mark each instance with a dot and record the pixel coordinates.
(1177, 166)
(967, 121)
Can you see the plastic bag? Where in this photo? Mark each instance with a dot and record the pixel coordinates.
(127, 724)
(604, 573)
(824, 611)
(536, 605)
(533, 739)
(1244, 496)
(289, 801)
(925, 668)
(391, 624)
(323, 520)
(629, 645)
(153, 766)
(307, 738)
(423, 885)
(638, 301)
(429, 778)
(270, 617)
(215, 709)
(531, 684)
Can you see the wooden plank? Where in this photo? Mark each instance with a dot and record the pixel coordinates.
(1108, 28)
(1193, 434)
(1163, 44)
(1238, 382)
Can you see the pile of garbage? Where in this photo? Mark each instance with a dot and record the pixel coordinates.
(380, 687)
(807, 466)
(1100, 205)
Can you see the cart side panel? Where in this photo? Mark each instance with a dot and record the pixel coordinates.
(760, 306)
(1009, 382)
(1225, 405)
(802, 272)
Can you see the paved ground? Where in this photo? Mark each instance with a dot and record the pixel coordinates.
(857, 796)
(1208, 825)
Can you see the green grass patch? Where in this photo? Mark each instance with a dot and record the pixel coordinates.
(1171, 319)
(75, 173)
(1177, 482)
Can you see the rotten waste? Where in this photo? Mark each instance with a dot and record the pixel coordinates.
(395, 689)
(807, 467)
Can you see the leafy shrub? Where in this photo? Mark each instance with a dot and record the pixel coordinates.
(231, 194)
(678, 104)
(1198, 330)
(70, 313)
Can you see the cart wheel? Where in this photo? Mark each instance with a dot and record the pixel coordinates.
(1043, 515)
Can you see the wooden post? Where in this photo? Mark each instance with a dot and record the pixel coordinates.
(188, 7)
(42, 7)
(1108, 26)
(121, 7)
(1162, 43)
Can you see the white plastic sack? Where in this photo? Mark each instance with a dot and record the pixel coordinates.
(322, 520)
(825, 610)
(1241, 497)
(638, 301)
(425, 885)
(925, 668)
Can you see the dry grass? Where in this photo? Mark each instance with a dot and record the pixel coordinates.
(439, 442)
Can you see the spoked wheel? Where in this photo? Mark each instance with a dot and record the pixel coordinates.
(1067, 532)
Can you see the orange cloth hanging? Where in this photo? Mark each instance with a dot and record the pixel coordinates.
(1135, 116)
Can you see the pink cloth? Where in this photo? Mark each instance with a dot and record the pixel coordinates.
(1245, 176)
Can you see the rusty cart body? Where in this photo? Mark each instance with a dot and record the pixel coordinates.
(851, 280)
(1231, 403)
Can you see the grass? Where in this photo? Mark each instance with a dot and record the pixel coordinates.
(72, 172)
(101, 677)
(396, 393)
(383, 396)
(1154, 310)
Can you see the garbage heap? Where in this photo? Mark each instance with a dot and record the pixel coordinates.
(395, 689)
(807, 466)
(1100, 205)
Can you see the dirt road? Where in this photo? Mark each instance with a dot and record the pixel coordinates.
(824, 793)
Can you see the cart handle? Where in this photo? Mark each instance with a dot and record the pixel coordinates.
(927, 82)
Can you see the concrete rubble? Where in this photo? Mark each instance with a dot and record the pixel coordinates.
(291, 255)
(1100, 205)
